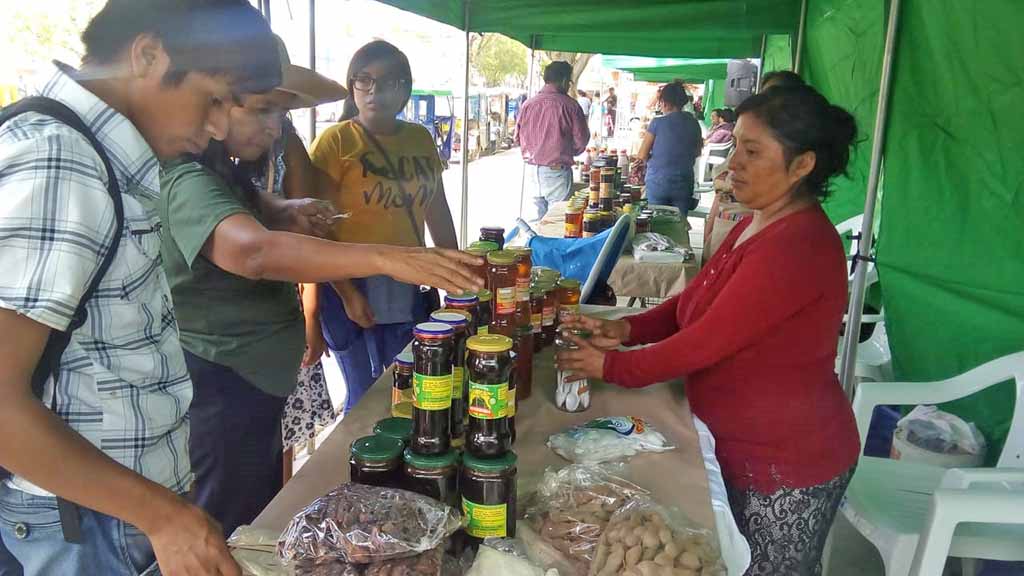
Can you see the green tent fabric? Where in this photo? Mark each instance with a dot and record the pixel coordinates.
(668, 69)
(669, 28)
(951, 241)
(778, 53)
(714, 96)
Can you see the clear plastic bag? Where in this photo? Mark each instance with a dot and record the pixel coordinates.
(426, 564)
(932, 429)
(360, 524)
(607, 439)
(646, 539)
(654, 247)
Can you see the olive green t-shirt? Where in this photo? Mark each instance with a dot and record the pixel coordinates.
(253, 327)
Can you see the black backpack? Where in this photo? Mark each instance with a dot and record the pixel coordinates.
(58, 341)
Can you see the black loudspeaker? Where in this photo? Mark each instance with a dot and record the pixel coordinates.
(741, 82)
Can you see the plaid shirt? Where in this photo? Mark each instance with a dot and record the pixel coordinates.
(122, 382)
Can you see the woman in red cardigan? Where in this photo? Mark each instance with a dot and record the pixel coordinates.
(756, 332)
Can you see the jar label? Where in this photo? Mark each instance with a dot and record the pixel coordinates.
(568, 312)
(485, 521)
(523, 289)
(458, 381)
(511, 403)
(549, 316)
(505, 301)
(488, 401)
(432, 392)
(537, 321)
(401, 402)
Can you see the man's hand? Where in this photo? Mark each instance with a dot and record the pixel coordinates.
(437, 267)
(605, 334)
(187, 542)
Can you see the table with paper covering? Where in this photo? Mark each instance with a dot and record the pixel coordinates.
(631, 278)
(687, 477)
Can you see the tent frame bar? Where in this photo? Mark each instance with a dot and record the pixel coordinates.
(312, 66)
(800, 37)
(760, 66)
(529, 94)
(464, 211)
(857, 291)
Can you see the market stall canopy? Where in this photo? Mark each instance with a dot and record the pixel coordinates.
(668, 69)
(666, 28)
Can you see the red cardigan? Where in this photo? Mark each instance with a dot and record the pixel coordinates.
(756, 333)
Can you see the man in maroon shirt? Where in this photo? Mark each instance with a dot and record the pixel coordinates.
(551, 130)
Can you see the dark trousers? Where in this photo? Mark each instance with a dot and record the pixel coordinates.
(235, 444)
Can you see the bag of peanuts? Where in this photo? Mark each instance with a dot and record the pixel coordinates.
(643, 539)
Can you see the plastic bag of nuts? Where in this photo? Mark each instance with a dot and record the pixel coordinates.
(426, 564)
(573, 505)
(359, 524)
(642, 540)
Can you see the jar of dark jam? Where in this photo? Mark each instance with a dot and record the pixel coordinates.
(591, 222)
(433, 349)
(376, 461)
(468, 303)
(488, 489)
(460, 324)
(484, 312)
(502, 278)
(490, 367)
(400, 428)
(537, 315)
(436, 477)
(401, 388)
(524, 364)
(493, 234)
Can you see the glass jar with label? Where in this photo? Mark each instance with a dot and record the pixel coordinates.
(400, 428)
(550, 317)
(489, 496)
(460, 324)
(643, 224)
(494, 234)
(503, 275)
(591, 222)
(401, 388)
(537, 315)
(485, 312)
(524, 365)
(433, 350)
(469, 303)
(570, 396)
(436, 477)
(376, 461)
(574, 221)
(489, 364)
(524, 269)
(568, 299)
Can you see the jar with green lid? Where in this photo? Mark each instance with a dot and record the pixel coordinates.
(435, 476)
(490, 368)
(485, 312)
(401, 388)
(488, 489)
(400, 428)
(433, 350)
(459, 322)
(376, 461)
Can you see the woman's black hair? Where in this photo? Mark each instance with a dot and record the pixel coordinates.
(376, 51)
(782, 78)
(802, 120)
(674, 93)
(242, 174)
(727, 114)
(214, 37)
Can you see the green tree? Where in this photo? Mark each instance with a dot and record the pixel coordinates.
(499, 60)
(36, 32)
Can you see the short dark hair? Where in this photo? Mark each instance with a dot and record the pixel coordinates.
(727, 114)
(802, 120)
(376, 51)
(582, 93)
(782, 78)
(557, 72)
(214, 37)
(674, 93)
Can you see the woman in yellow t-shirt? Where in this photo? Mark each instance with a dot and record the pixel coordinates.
(386, 174)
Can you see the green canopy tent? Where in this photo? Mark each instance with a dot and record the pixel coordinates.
(694, 70)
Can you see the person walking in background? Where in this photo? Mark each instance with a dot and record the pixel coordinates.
(585, 102)
(552, 129)
(611, 104)
(669, 149)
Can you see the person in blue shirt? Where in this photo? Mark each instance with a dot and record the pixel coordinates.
(670, 147)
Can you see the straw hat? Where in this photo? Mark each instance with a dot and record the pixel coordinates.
(308, 87)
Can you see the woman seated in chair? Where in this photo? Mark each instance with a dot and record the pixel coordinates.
(756, 332)
(722, 122)
(669, 149)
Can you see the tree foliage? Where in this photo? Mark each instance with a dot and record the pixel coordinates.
(498, 60)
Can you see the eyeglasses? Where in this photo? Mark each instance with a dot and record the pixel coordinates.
(365, 83)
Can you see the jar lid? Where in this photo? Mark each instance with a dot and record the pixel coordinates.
(377, 448)
(464, 298)
(485, 245)
(489, 343)
(433, 330)
(568, 283)
(430, 462)
(492, 229)
(484, 295)
(453, 318)
(499, 464)
(400, 428)
(520, 249)
(405, 358)
(537, 289)
(501, 257)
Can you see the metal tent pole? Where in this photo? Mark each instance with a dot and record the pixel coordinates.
(529, 93)
(464, 216)
(847, 375)
(760, 74)
(800, 37)
(312, 65)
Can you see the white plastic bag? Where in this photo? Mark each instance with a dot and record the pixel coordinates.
(654, 247)
(931, 429)
(607, 439)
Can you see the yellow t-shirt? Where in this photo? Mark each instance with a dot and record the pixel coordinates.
(364, 186)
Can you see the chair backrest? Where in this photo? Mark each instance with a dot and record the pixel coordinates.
(606, 260)
(849, 228)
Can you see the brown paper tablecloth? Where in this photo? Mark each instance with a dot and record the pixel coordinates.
(630, 278)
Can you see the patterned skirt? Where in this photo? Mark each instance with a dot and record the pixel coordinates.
(308, 408)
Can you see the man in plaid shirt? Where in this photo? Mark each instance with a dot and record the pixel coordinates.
(111, 435)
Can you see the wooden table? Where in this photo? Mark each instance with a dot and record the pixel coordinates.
(677, 478)
(631, 278)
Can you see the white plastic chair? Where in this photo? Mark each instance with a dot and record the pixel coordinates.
(711, 155)
(917, 514)
(874, 360)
